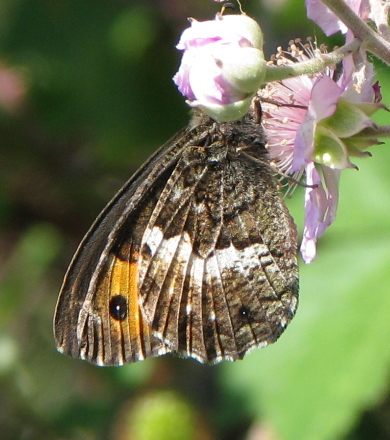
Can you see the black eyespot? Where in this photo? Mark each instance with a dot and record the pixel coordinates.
(118, 307)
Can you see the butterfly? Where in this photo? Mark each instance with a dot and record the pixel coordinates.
(195, 255)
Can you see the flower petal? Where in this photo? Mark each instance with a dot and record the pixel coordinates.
(320, 207)
(323, 102)
(328, 21)
(315, 207)
(324, 17)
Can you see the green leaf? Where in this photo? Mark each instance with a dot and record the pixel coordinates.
(333, 360)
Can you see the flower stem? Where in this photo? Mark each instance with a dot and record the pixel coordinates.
(371, 40)
(278, 73)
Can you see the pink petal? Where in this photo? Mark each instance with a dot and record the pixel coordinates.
(182, 76)
(323, 102)
(315, 200)
(331, 179)
(303, 144)
(320, 207)
(328, 21)
(324, 17)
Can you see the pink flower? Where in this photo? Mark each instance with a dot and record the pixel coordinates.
(13, 88)
(314, 129)
(222, 65)
(328, 21)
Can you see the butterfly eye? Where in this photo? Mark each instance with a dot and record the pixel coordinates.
(118, 307)
(244, 312)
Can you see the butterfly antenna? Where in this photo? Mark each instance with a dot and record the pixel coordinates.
(240, 6)
(227, 6)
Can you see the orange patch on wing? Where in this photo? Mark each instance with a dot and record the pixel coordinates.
(127, 336)
(124, 281)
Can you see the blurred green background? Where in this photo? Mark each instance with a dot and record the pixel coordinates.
(85, 97)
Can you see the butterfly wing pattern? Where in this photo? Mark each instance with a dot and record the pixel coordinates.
(196, 255)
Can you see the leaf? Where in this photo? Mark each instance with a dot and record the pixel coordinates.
(333, 360)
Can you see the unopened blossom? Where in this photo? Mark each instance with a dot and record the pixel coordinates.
(222, 66)
(328, 21)
(313, 129)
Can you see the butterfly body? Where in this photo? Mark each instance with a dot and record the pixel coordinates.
(196, 255)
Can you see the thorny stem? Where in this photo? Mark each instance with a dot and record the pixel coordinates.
(371, 40)
(278, 73)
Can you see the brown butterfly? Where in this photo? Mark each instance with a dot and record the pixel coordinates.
(195, 255)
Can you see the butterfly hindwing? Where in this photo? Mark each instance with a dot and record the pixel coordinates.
(195, 256)
(215, 281)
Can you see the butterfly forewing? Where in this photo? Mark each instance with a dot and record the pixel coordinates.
(196, 255)
(83, 325)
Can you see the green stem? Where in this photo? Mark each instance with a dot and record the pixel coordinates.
(315, 65)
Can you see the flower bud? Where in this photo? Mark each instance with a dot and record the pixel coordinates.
(222, 66)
